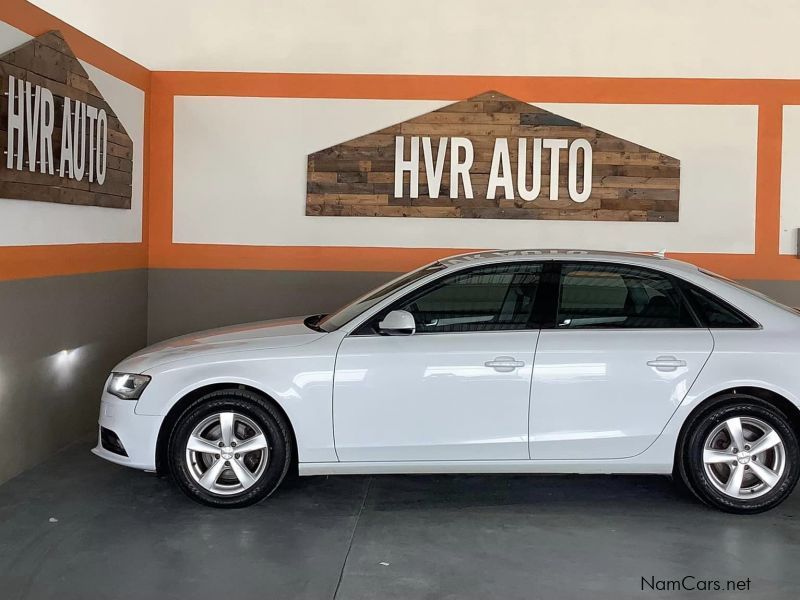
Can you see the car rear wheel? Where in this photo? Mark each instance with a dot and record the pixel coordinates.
(229, 449)
(741, 456)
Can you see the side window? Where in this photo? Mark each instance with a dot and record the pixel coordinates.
(618, 296)
(497, 297)
(716, 313)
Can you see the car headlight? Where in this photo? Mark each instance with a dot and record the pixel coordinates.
(128, 386)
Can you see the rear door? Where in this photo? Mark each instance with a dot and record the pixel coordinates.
(620, 356)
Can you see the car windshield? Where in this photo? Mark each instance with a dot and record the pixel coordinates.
(350, 311)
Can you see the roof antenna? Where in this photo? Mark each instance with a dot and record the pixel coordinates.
(661, 253)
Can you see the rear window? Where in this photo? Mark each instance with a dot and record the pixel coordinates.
(750, 291)
(618, 296)
(716, 313)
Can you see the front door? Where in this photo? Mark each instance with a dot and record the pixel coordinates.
(458, 387)
(621, 357)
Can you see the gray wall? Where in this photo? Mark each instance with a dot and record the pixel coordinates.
(49, 398)
(787, 292)
(185, 300)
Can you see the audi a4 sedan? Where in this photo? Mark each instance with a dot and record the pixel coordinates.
(513, 361)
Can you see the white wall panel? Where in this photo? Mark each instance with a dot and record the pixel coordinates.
(790, 180)
(24, 223)
(240, 177)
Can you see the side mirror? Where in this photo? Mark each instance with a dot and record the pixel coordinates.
(398, 322)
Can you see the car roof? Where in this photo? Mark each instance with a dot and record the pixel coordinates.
(657, 261)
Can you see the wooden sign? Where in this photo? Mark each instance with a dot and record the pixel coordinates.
(493, 157)
(62, 141)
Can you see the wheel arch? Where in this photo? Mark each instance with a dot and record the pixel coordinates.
(779, 401)
(178, 407)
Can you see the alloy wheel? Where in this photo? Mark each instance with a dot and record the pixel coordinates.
(744, 458)
(227, 453)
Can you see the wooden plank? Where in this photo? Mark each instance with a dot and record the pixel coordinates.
(470, 118)
(547, 119)
(317, 177)
(459, 107)
(640, 183)
(378, 199)
(371, 141)
(401, 211)
(455, 129)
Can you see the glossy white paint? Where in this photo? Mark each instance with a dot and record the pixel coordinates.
(595, 396)
(283, 359)
(428, 403)
(137, 433)
(424, 396)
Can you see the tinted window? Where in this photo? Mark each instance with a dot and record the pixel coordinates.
(350, 311)
(603, 295)
(751, 291)
(715, 312)
(498, 297)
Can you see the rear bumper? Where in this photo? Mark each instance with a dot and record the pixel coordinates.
(138, 434)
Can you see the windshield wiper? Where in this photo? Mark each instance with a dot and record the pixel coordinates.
(311, 322)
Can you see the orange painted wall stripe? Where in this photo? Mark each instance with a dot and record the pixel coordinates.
(25, 262)
(768, 179)
(35, 21)
(160, 154)
(768, 95)
(612, 90)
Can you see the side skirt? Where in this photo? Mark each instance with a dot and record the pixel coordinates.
(622, 466)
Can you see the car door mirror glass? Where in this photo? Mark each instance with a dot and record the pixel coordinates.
(398, 322)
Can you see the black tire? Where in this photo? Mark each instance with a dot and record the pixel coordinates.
(704, 484)
(251, 406)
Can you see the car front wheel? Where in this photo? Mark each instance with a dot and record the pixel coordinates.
(229, 449)
(741, 456)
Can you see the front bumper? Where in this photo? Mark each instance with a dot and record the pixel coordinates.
(137, 433)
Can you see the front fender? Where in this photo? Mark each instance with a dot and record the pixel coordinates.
(299, 380)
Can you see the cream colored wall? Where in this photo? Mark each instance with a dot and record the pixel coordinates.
(626, 38)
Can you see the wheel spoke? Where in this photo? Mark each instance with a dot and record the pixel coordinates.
(198, 444)
(734, 427)
(210, 477)
(765, 474)
(226, 427)
(765, 442)
(711, 457)
(242, 473)
(257, 442)
(734, 484)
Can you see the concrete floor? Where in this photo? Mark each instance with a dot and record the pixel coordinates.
(122, 534)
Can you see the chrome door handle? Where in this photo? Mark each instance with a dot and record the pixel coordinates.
(666, 363)
(504, 364)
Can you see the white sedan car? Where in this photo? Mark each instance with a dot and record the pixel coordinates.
(517, 361)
